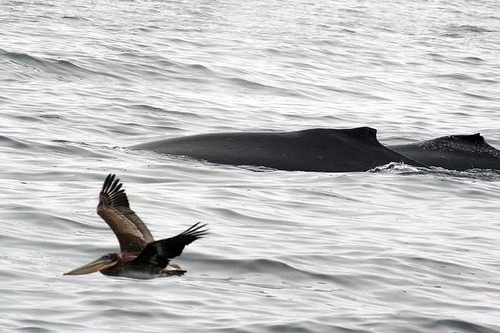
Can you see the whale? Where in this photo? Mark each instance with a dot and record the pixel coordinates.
(329, 150)
(319, 149)
(453, 152)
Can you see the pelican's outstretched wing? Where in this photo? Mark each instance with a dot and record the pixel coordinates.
(160, 252)
(113, 207)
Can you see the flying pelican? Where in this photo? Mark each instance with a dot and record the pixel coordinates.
(140, 255)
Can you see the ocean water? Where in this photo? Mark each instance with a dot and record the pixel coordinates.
(397, 249)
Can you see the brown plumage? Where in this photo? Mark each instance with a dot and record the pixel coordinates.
(140, 255)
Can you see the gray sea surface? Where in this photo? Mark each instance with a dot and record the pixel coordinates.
(397, 249)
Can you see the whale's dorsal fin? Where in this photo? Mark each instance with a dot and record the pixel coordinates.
(364, 134)
(476, 139)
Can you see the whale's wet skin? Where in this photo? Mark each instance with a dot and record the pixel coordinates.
(454, 152)
(329, 150)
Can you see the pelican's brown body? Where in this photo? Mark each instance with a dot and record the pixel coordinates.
(124, 268)
(140, 255)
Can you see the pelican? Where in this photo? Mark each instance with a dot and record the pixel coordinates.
(140, 255)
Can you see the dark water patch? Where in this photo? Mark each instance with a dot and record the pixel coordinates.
(439, 58)
(51, 116)
(127, 313)
(281, 52)
(149, 28)
(249, 217)
(323, 119)
(359, 10)
(249, 84)
(71, 222)
(261, 267)
(33, 66)
(39, 325)
(464, 31)
(260, 87)
(62, 147)
(142, 70)
(459, 325)
(160, 62)
(34, 329)
(188, 42)
(480, 97)
(454, 272)
(464, 77)
(199, 68)
(349, 31)
(289, 325)
(144, 107)
(29, 119)
(12, 143)
(455, 76)
(165, 113)
(74, 18)
(351, 92)
(73, 148)
(472, 59)
(192, 79)
(40, 4)
(467, 28)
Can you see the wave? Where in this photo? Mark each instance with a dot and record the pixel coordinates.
(6, 141)
(30, 66)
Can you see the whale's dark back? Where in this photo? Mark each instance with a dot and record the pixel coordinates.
(454, 152)
(326, 150)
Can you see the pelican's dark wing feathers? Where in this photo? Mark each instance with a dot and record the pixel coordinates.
(160, 252)
(113, 207)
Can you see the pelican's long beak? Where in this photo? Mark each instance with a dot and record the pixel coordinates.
(94, 266)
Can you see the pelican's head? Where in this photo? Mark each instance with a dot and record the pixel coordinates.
(103, 262)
